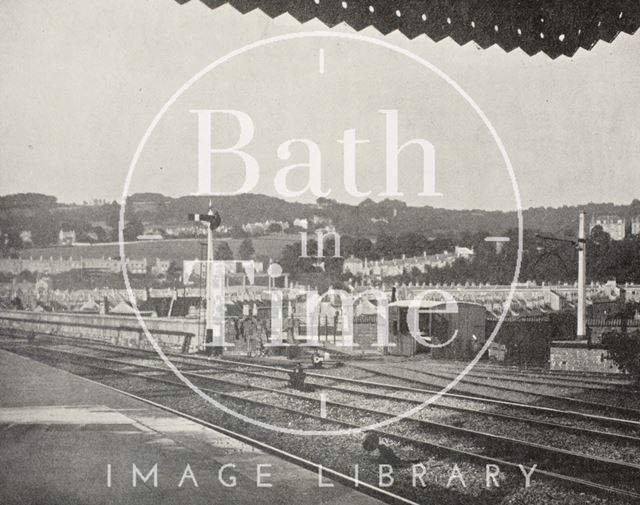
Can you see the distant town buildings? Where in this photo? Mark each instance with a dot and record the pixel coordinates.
(195, 271)
(320, 220)
(180, 230)
(137, 266)
(463, 252)
(53, 266)
(149, 236)
(150, 205)
(380, 269)
(611, 224)
(635, 225)
(66, 237)
(26, 238)
(529, 298)
(160, 266)
(98, 231)
(267, 226)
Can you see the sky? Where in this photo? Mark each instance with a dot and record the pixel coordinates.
(83, 79)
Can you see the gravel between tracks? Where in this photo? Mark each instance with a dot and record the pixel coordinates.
(349, 448)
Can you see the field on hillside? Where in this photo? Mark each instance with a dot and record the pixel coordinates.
(177, 249)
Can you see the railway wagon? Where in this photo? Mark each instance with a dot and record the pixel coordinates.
(447, 330)
(526, 339)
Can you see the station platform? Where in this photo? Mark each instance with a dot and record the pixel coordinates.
(59, 433)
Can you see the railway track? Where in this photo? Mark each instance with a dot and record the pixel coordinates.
(580, 378)
(573, 382)
(597, 472)
(542, 410)
(630, 414)
(348, 480)
(328, 382)
(596, 377)
(411, 402)
(173, 392)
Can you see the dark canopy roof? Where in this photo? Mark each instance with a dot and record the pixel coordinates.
(556, 27)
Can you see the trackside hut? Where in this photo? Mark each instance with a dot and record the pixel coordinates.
(438, 322)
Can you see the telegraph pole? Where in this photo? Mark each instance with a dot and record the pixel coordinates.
(582, 279)
(581, 246)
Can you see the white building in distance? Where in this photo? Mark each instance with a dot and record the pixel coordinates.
(611, 224)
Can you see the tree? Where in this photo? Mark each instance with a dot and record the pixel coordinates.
(412, 244)
(238, 232)
(44, 233)
(223, 252)
(27, 200)
(274, 228)
(113, 219)
(363, 248)
(293, 262)
(624, 351)
(174, 274)
(326, 202)
(133, 228)
(246, 250)
(387, 246)
(101, 234)
(10, 240)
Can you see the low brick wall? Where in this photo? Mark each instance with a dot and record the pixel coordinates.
(581, 359)
(175, 334)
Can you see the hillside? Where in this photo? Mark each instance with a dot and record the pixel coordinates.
(43, 216)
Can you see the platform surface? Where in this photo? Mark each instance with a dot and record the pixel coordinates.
(59, 433)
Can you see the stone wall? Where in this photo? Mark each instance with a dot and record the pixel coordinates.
(581, 359)
(175, 334)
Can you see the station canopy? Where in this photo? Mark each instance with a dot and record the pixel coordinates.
(554, 27)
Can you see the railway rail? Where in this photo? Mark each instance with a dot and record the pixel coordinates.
(348, 480)
(327, 381)
(572, 382)
(597, 379)
(556, 460)
(597, 406)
